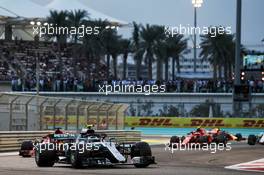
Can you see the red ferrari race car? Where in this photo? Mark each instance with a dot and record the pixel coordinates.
(27, 146)
(202, 136)
(27, 149)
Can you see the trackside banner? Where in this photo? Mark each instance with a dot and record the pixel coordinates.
(72, 120)
(169, 122)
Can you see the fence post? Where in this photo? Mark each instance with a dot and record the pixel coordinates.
(66, 114)
(40, 113)
(107, 116)
(26, 112)
(54, 113)
(11, 112)
(116, 127)
(98, 114)
(78, 115)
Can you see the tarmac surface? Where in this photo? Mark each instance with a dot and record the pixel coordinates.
(179, 163)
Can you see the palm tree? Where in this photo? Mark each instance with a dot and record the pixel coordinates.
(125, 49)
(228, 55)
(220, 51)
(135, 44)
(110, 42)
(150, 35)
(166, 48)
(115, 51)
(76, 19)
(93, 46)
(176, 46)
(59, 19)
(161, 54)
(208, 52)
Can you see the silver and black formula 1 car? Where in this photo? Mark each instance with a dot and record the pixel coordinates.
(91, 149)
(253, 139)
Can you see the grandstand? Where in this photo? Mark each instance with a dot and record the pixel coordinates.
(19, 61)
(20, 50)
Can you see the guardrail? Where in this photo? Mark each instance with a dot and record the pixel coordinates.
(11, 140)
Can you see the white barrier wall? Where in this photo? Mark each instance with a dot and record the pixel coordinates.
(159, 97)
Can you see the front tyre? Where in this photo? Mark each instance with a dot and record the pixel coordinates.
(252, 139)
(142, 152)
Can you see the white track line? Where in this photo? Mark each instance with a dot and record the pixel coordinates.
(9, 154)
(256, 166)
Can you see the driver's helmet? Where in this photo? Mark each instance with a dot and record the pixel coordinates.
(201, 130)
(58, 131)
(198, 129)
(216, 130)
(90, 129)
(89, 126)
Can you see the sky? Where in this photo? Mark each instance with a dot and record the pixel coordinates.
(176, 12)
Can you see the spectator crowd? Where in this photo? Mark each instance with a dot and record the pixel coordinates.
(18, 65)
(71, 84)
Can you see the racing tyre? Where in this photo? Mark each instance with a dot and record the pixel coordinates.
(45, 158)
(76, 160)
(174, 139)
(221, 139)
(239, 136)
(252, 139)
(26, 145)
(203, 139)
(182, 138)
(141, 149)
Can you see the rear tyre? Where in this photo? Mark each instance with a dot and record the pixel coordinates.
(141, 149)
(252, 139)
(203, 139)
(182, 138)
(46, 158)
(174, 139)
(76, 160)
(221, 139)
(28, 146)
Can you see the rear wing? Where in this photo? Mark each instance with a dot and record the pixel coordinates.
(63, 136)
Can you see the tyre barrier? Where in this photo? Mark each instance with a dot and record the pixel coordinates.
(11, 140)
